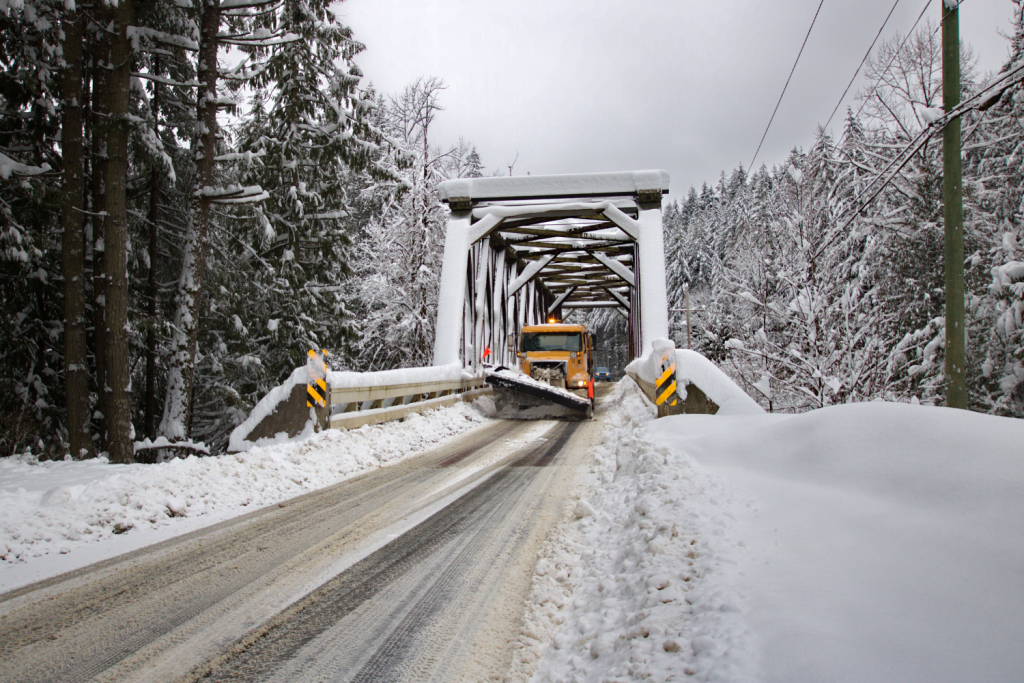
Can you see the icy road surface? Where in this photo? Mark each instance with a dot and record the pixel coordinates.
(417, 571)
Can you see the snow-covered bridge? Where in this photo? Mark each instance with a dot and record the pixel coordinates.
(517, 251)
(521, 249)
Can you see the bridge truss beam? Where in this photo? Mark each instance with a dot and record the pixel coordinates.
(519, 249)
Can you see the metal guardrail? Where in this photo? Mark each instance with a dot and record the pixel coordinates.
(353, 407)
(347, 407)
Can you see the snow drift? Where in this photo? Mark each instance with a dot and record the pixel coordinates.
(883, 541)
(49, 508)
(861, 542)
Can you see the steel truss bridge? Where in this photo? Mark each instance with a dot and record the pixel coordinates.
(520, 249)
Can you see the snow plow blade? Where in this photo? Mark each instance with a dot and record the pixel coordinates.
(527, 400)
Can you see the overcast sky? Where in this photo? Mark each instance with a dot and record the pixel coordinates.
(605, 85)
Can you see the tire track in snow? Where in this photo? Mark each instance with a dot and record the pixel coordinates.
(411, 610)
(125, 612)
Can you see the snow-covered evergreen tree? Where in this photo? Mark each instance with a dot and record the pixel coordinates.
(397, 266)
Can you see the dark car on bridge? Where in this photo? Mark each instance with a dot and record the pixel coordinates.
(602, 374)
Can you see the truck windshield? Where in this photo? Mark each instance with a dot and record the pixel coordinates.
(551, 341)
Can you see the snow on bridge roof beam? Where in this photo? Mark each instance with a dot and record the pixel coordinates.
(592, 297)
(594, 294)
(596, 224)
(552, 212)
(600, 279)
(562, 283)
(585, 255)
(573, 243)
(588, 275)
(584, 185)
(492, 216)
(573, 269)
(556, 234)
(562, 297)
(629, 225)
(567, 254)
(563, 247)
(528, 274)
(483, 227)
(618, 297)
(616, 267)
(599, 288)
(561, 219)
(591, 304)
(555, 273)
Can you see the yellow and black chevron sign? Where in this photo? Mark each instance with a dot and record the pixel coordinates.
(316, 389)
(666, 388)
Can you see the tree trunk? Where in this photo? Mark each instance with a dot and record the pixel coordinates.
(98, 101)
(76, 374)
(119, 426)
(181, 373)
(151, 287)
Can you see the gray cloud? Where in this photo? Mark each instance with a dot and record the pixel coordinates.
(687, 86)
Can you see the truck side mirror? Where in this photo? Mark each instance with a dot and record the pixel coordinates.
(511, 343)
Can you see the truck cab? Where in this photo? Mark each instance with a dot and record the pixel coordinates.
(559, 354)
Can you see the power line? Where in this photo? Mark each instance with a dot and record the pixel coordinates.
(895, 54)
(885, 70)
(976, 101)
(787, 84)
(861, 65)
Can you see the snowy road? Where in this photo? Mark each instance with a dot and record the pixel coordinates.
(413, 572)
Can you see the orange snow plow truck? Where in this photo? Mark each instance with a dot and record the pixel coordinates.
(557, 364)
(557, 354)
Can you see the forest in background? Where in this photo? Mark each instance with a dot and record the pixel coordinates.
(174, 237)
(807, 303)
(192, 195)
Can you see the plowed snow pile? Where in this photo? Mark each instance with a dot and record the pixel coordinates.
(58, 515)
(864, 542)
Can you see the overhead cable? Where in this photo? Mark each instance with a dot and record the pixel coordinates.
(758, 151)
(892, 59)
(980, 100)
(861, 65)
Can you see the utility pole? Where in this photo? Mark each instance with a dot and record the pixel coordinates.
(688, 315)
(952, 199)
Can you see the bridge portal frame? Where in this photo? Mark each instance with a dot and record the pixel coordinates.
(519, 248)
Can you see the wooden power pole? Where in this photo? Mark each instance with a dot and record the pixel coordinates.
(952, 198)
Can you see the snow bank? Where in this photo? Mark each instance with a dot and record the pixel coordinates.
(637, 581)
(54, 507)
(863, 542)
(693, 368)
(882, 541)
(648, 367)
